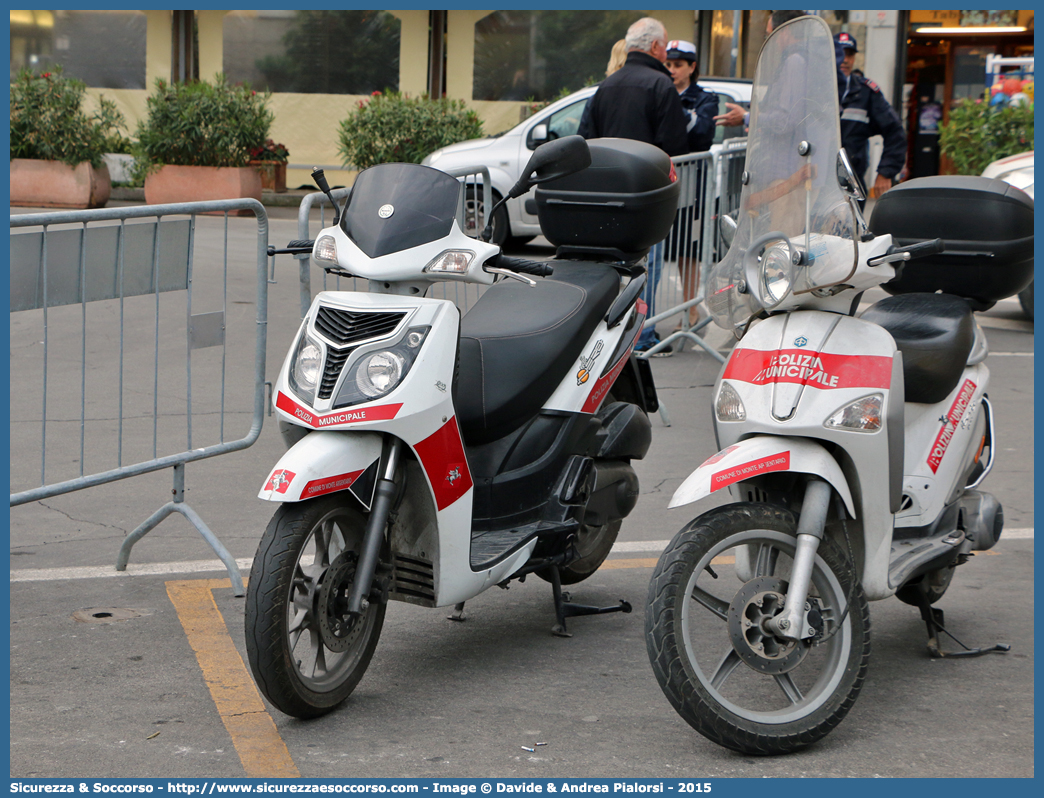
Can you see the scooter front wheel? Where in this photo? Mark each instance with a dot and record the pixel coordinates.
(720, 666)
(307, 655)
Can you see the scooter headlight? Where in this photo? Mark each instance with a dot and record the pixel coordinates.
(379, 372)
(306, 368)
(376, 373)
(776, 274)
(729, 406)
(862, 415)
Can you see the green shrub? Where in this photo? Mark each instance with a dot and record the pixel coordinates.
(976, 135)
(393, 127)
(202, 124)
(48, 122)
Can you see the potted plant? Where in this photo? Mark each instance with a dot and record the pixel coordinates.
(56, 147)
(394, 127)
(980, 131)
(196, 140)
(270, 160)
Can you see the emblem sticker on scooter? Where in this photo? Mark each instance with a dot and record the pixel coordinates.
(453, 475)
(280, 480)
(385, 211)
(586, 363)
(802, 341)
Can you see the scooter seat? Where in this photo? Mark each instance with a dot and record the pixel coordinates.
(935, 333)
(518, 342)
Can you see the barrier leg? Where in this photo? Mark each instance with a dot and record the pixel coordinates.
(179, 506)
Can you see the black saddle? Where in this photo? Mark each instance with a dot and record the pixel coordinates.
(935, 333)
(517, 342)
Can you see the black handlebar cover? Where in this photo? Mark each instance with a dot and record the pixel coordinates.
(924, 249)
(535, 268)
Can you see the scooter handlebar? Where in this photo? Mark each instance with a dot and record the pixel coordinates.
(925, 248)
(522, 266)
(903, 254)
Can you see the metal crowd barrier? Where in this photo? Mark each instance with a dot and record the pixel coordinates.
(710, 186)
(473, 208)
(107, 295)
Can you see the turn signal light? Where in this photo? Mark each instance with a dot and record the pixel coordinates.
(729, 406)
(862, 415)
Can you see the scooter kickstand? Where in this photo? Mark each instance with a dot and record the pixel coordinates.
(933, 619)
(564, 608)
(458, 613)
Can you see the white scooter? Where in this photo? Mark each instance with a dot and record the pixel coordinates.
(853, 446)
(436, 456)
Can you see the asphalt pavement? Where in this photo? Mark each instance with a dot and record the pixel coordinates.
(140, 673)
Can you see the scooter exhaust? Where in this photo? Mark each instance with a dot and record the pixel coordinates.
(983, 519)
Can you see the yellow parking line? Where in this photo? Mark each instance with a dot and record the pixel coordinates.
(260, 748)
(651, 562)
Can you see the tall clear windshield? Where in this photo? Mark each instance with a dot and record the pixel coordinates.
(791, 188)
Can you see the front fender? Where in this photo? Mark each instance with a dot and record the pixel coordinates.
(324, 462)
(762, 454)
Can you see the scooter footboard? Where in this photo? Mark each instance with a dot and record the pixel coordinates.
(759, 455)
(325, 462)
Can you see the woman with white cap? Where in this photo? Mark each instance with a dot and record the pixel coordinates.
(700, 107)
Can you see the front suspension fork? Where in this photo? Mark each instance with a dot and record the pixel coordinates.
(790, 623)
(384, 496)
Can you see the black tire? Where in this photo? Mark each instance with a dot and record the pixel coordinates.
(743, 705)
(291, 658)
(933, 584)
(1026, 300)
(475, 217)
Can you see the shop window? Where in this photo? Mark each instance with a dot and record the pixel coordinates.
(969, 70)
(521, 55)
(104, 49)
(313, 52)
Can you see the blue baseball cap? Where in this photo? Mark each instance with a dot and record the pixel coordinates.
(847, 41)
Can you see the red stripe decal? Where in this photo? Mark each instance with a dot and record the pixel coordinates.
(775, 462)
(816, 369)
(953, 418)
(317, 487)
(351, 416)
(442, 455)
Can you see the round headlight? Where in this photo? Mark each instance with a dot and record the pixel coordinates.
(776, 271)
(307, 366)
(379, 373)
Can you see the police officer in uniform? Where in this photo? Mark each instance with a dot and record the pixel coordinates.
(865, 113)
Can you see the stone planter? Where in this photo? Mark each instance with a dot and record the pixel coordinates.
(199, 183)
(53, 184)
(273, 174)
(119, 166)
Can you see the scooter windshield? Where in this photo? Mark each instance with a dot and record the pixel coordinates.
(398, 206)
(790, 190)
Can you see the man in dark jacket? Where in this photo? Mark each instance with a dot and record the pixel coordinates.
(865, 113)
(639, 100)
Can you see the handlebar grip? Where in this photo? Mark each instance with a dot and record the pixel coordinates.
(924, 249)
(535, 268)
(300, 243)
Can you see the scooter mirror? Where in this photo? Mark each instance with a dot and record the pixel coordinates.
(553, 160)
(727, 229)
(846, 177)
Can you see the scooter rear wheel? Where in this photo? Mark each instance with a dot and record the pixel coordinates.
(306, 655)
(718, 664)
